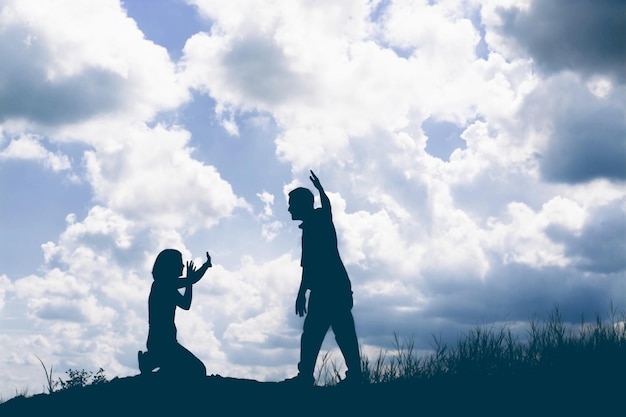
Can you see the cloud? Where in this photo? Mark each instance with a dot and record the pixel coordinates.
(30, 92)
(517, 292)
(437, 227)
(255, 69)
(251, 60)
(586, 132)
(28, 147)
(150, 176)
(84, 80)
(270, 227)
(5, 285)
(344, 84)
(432, 29)
(589, 37)
(311, 73)
(599, 244)
(67, 65)
(248, 308)
(268, 201)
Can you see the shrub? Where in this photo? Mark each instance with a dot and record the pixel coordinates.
(82, 378)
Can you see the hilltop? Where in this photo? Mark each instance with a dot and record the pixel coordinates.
(216, 395)
(491, 372)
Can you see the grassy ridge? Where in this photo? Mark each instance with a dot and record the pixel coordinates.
(485, 351)
(555, 370)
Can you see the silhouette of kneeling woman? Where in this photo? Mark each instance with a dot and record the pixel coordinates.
(164, 351)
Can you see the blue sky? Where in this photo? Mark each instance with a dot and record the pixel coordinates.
(474, 153)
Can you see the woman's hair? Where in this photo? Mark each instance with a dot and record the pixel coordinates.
(167, 264)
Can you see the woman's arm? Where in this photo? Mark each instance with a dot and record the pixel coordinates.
(184, 301)
(193, 274)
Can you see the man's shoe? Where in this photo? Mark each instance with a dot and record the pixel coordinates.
(300, 380)
(352, 380)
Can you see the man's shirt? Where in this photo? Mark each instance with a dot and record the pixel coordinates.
(322, 265)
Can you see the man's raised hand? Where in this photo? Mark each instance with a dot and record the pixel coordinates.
(315, 181)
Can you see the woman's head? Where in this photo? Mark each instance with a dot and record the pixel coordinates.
(167, 265)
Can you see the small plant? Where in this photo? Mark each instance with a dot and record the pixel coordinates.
(22, 392)
(51, 384)
(76, 378)
(374, 372)
(82, 378)
(328, 372)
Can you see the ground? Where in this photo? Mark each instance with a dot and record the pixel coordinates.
(215, 395)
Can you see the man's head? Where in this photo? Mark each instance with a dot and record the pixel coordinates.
(300, 203)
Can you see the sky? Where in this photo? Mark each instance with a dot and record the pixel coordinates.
(474, 153)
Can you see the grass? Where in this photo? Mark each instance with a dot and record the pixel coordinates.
(551, 368)
(51, 384)
(549, 361)
(23, 392)
(76, 378)
(549, 348)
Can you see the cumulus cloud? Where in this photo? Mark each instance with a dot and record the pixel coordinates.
(35, 95)
(150, 176)
(5, 284)
(598, 246)
(371, 90)
(67, 64)
(28, 147)
(585, 132)
(86, 75)
(343, 79)
(247, 309)
(270, 226)
(314, 73)
(578, 35)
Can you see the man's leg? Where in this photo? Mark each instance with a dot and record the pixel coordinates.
(316, 324)
(345, 335)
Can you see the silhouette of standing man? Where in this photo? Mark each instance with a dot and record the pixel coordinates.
(330, 291)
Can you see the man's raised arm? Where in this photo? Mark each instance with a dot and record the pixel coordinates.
(323, 197)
